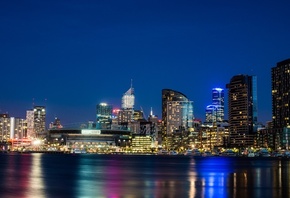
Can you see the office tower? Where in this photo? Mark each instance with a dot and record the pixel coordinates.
(128, 99)
(218, 101)
(18, 128)
(177, 112)
(39, 115)
(281, 94)
(30, 123)
(125, 115)
(104, 116)
(4, 127)
(210, 114)
(242, 101)
(280, 104)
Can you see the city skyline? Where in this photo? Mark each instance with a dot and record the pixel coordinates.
(71, 56)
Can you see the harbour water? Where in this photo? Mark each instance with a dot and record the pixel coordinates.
(113, 176)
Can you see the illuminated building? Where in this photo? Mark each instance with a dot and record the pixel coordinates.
(210, 114)
(125, 118)
(218, 101)
(128, 99)
(100, 140)
(4, 127)
(280, 103)
(242, 101)
(56, 124)
(125, 115)
(30, 123)
(281, 94)
(177, 112)
(104, 116)
(17, 128)
(138, 115)
(215, 112)
(12, 128)
(39, 115)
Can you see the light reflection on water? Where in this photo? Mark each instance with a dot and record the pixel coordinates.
(48, 175)
(36, 186)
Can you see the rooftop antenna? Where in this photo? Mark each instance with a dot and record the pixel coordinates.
(32, 102)
(151, 112)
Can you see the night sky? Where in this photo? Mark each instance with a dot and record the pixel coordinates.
(71, 55)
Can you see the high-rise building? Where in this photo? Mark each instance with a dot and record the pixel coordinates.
(30, 123)
(128, 99)
(104, 116)
(125, 115)
(177, 112)
(218, 100)
(11, 127)
(39, 115)
(242, 101)
(210, 114)
(281, 94)
(215, 112)
(280, 104)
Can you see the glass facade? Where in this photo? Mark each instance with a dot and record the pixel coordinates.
(281, 94)
(128, 99)
(39, 115)
(242, 99)
(218, 100)
(177, 112)
(104, 116)
(211, 114)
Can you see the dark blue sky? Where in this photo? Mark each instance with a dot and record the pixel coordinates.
(76, 54)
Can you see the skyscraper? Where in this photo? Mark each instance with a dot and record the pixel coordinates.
(215, 111)
(39, 115)
(242, 98)
(125, 115)
(281, 94)
(128, 99)
(104, 116)
(218, 100)
(280, 104)
(177, 112)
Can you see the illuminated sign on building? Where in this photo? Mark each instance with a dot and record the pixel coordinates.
(91, 132)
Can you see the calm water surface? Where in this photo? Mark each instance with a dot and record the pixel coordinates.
(114, 176)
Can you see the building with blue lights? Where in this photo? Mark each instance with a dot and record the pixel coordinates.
(215, 112)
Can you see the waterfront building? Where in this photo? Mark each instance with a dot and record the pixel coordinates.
(39, 118)
(90, 140)
(242, 101)
(12, 131)
(104, 116)
(30, 123)
(280, 75)
(142, 144)
(177, 113)
(4, 127)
